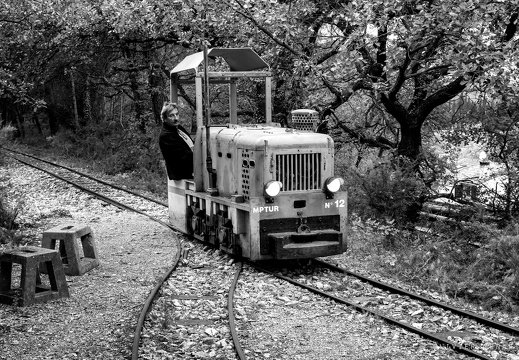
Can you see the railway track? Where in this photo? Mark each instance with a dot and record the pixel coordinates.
(194, 313)
(168, 294)
(413, 312)
(327, 280)
(105, 191)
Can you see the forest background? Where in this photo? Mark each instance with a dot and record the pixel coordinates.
(401, 85)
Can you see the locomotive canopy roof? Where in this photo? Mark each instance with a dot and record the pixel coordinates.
(239, 59)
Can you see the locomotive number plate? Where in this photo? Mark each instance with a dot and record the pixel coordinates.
(339, 203)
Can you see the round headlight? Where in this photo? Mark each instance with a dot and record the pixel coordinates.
(272, 188)
(333, 184)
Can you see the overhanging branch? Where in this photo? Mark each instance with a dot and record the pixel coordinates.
(378, 142)
(265, 30)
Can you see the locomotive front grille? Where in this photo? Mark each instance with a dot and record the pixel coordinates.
(299, 172)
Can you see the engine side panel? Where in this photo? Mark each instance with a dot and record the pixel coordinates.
(245, 158)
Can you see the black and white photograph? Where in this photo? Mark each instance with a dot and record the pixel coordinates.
(259, 179)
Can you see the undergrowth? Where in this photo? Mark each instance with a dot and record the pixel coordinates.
(8, 214)
(471, 261)
(133, 158)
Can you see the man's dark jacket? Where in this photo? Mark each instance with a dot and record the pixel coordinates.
(176, 152)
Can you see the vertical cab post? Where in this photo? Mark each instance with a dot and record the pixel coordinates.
(268, 100)
(198, 151)
(211, 171)
(173, 88)
(233, 102)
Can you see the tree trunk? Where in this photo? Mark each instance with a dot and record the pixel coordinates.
(121, 110)
(53, 121)
(410, 145)
(19, 123)
(74, 100)
(88, 102)
(37, 122)
(138, 102)
(157, 98)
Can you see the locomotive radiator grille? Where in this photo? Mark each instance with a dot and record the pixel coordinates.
(299, 172)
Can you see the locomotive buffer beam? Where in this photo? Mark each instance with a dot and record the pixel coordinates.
(311, 237)
(310, 244)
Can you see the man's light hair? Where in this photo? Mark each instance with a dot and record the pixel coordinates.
(167, 109)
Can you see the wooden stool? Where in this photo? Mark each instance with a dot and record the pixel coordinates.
(69, 250)
(31, 291)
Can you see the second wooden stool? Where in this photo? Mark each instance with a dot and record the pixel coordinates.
(67, 235)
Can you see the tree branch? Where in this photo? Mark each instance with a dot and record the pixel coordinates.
(400, 79)
(394, 107)
(446, 93)
(265, 30)
(423, 71)
(511, 28)
(379, 142)
(343, 96)
(329, 54)
(381, 51)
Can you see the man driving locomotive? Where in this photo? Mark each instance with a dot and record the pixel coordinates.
(175, 144)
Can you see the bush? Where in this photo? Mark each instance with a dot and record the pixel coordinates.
(386, 191)
(474, 261)
(127, 154)
(8, 217)
(499, 263)
(8, 133)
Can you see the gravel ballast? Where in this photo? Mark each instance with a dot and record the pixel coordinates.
(98, 320)
(275, 320)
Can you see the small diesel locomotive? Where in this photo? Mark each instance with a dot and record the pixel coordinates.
(259, 191)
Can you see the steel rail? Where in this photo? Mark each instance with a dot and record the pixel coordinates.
(386, 318)
(230, 307)
(468, 314)
(153, 294)
(97, 195)
(88, 176)
(149, 301)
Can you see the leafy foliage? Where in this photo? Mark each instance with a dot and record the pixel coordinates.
(492, 124)
(379, 71)
(390, 191)
(8, 215)
(474, 262)
(133, 157)
(409, 57)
